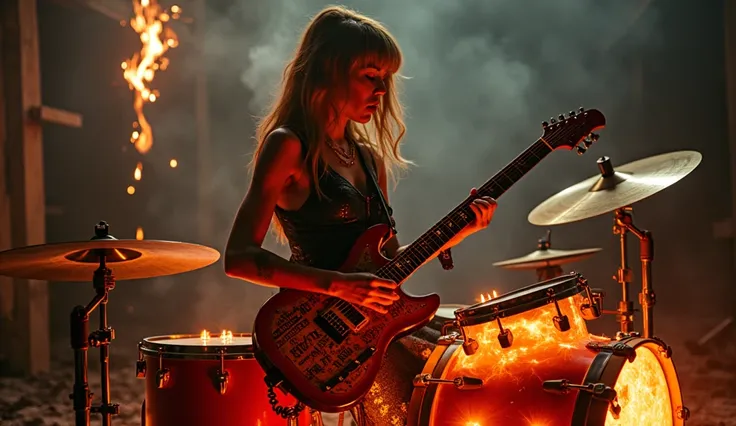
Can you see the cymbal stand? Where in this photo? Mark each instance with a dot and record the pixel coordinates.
(103, 281)
(624, 223)
(547, 272)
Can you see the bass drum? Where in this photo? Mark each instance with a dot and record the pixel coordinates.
(545, 376)
(213, 382)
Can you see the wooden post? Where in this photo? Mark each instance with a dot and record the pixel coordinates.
(204, 142)
(23, 201)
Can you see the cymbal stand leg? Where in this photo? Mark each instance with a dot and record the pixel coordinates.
(623, 275)
(647, 298)
(104, 281)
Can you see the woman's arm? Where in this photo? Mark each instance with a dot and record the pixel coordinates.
(279, 162)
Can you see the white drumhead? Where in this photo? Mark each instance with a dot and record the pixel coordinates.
(448, 310)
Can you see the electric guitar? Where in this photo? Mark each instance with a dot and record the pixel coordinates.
(327, 352)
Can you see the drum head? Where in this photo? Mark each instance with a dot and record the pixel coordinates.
(523, 299)
(237, 346)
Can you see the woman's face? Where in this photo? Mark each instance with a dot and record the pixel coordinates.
(366, 88)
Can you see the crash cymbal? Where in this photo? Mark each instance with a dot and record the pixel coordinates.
(128, 259)
(544, 258)
(615, 189)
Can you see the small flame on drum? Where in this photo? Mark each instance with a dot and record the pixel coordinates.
(487, 298)
(226, 336)
(204, 336)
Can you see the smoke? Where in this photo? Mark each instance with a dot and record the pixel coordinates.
(480, 78)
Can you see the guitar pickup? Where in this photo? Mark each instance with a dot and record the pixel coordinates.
(339, 319)
(350, 367)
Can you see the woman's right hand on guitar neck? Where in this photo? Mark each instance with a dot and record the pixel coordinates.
(364, 289)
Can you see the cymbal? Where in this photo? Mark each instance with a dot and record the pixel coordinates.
(128, 259)
(615, 189)
(543, 258)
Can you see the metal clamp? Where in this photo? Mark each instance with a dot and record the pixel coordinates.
(140, 364)
(163, 375)
(461, 383)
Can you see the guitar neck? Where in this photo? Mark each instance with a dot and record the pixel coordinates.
(432, 241)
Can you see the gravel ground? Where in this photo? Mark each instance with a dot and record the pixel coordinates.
(708, 381)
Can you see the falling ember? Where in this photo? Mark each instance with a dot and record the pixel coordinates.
(138, 171)
(131, 190)
(139, 233)
(173, 163)
(139, 71)
(204, 336)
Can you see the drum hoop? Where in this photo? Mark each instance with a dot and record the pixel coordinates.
(481, 313)
(606, 367)
(421, 403)
(152, 346)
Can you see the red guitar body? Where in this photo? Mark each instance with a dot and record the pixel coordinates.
(331, 373)
(327, 352)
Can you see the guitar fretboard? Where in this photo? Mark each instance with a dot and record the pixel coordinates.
(432, 241)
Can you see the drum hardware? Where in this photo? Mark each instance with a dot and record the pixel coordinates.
(547, 261)
(562, 322)
(461, 382)
(222, 376)
(616, 191)
(598, 390)
(505, 336)
(76, 261)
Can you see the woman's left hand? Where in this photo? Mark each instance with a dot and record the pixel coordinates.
(483, 207)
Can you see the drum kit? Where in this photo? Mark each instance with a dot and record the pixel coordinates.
(524, 357)
(630, 379)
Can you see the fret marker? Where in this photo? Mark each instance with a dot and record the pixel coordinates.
(547, 143)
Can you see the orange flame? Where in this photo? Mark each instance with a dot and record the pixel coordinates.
(226, 337)
(139, 233)
(140, 70)
(138, 171)
(487, 297)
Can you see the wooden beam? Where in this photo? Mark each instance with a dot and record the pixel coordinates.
(48, 114)
(24, 183)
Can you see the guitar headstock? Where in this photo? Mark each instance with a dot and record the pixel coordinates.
(574, 131)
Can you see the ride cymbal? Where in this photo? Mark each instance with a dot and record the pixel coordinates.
(128, 259)
(615, 189)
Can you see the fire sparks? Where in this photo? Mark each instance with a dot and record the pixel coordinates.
(140, 70)
(488, 297)
(131, 190)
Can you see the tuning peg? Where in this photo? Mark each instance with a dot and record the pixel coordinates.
(581, 149)
(581, 109)
(561, 117)
(552, 120)
(594, 137)
(587, 142)
(544, 124)
(572, 114)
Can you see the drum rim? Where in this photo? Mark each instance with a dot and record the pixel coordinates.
(571, 284)
(606, 367)
(152, 346)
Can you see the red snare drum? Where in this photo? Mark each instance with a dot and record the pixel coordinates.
(185, 384)
(532, 381)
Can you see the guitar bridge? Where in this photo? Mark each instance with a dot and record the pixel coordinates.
(339, 319)
(343, 374)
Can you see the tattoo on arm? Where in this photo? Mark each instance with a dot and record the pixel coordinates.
(263, 265)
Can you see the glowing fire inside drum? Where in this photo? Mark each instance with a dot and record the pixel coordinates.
(513, 377)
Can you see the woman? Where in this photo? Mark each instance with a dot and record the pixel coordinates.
(334, 130)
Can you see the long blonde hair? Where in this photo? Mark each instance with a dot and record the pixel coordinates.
(336, 40)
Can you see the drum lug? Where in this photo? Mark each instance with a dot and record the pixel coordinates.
(617, 349)
(593, 306)
(461, 383)
(683, 413)
(140, 369)
(162, 377)
(597, 390)
(222, 378)
(664, 348)
(562, 322)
